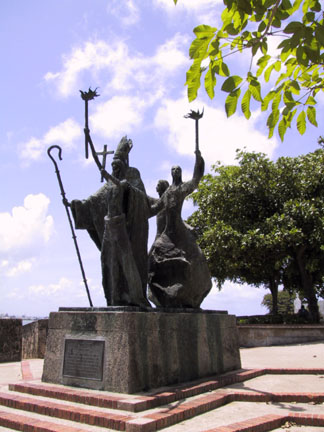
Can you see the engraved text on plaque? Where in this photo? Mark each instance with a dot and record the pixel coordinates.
(83, 358)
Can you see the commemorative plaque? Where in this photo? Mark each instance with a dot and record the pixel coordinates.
(83, 358)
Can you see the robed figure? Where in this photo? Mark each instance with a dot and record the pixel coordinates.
(116, 218)
(178, 271)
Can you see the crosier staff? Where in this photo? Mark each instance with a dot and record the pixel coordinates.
(65, 202)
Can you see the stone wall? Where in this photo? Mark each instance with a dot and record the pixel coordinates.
(266, 335)
(10, 339)
(34, 339)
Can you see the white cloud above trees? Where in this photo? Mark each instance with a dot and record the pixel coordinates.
(219, 136)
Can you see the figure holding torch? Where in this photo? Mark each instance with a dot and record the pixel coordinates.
(195, 115)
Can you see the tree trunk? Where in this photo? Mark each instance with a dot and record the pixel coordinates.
(307, 286)
(273, 286)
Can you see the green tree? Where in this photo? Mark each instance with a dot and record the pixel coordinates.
(285, 302)
(262, 223)
(247, 26)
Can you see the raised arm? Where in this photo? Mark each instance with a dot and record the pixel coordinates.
(199, 168)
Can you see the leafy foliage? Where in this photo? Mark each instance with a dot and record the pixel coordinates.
(285, 302)
(262, 223)
(297, 71)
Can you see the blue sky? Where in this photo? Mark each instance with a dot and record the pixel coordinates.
(136, 52)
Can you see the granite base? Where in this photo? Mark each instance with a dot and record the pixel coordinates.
(130, 351)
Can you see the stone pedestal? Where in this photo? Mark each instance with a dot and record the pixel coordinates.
(129, 350)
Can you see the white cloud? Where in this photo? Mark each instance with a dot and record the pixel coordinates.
(64, 286)
(122, 69)
(219, 136)
(236, 299)
(169, 56)
(134, 82)
(126, 11)
(92, 56)
(65, 133)
(205, 11)
(121, 113)
(21, 267)
(27, 225)
(189, 5)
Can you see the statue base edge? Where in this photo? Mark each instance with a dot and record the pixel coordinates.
(139, 309)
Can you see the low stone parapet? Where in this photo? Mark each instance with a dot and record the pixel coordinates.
(34, 339)
(10, 339)
(254, 335)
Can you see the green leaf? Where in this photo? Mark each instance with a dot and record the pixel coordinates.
(237, 19)
(204, 31)
(255, 48)
(262, 26)
(310, 101)
(193, 88)
(226, 17)
(272, 121)
(231, 29)
(309, 17)
(245, 6)
(284, 44)
(224, 71)
(301, 123)
(292, 27)
(210, 81)
(264, 47)
(316, 6)
(231, 102)
(282, 128)
(245, 104)
(267, 100)
(294, 85)
(231, 83)
(263, 60)
(301, 55)
(193, 79)
(311, 115)
(319, 33)
(262, 63)
(198, 48)
(286, 4)
(255, 90)
(267, 72)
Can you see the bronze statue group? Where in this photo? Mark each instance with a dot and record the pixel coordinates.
(174, 274)
(116, 218)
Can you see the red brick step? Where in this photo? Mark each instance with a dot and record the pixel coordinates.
(139, 403)
(24, 423)
(72, 413)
